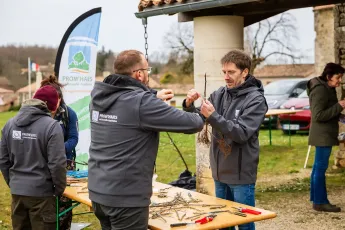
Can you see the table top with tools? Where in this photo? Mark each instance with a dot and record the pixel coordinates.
(177, 208)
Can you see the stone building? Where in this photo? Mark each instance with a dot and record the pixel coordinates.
(330, 47)
(324, 41)
(270, 73)
(218, 28)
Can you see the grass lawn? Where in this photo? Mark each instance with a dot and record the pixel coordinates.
(277, 159)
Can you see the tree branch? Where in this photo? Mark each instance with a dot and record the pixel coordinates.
(293, 57)
(270, 31)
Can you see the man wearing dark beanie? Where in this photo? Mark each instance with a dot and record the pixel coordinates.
(33, 161)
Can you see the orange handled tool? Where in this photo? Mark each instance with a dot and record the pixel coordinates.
(247, 210)
(203, 220)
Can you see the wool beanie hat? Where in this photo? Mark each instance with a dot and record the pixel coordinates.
(48, 95)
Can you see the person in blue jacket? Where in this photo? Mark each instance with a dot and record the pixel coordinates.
(69, 124)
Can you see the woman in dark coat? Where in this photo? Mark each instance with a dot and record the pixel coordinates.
(325, 110)
(69, 124)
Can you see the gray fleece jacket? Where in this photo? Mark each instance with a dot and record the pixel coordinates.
(237, 119)
(126, 118)
(32, 153)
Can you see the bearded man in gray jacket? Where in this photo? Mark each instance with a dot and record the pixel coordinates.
(235, 113)
(33, 161)
(126, 118)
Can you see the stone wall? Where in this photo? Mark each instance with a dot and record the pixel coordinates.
(330, 47)
(324, 41)
(339, 41)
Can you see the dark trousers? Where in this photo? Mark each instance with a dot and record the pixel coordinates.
(65, 221)
(121, 218)
(33, 213)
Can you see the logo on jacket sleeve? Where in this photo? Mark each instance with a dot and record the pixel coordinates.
(237, 112)
(17, 135)
(98, 117)
(95, 115)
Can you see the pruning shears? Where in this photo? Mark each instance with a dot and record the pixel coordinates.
(203, 220)
(247, 210)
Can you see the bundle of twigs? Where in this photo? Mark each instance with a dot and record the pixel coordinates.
(203, 135)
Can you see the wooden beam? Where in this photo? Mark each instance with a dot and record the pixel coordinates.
(249, 20)
(256, 11)
(277, 6)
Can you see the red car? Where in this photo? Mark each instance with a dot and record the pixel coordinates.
(299, 121)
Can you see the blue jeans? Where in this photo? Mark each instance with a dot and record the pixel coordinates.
(243, 193)
(318, 191)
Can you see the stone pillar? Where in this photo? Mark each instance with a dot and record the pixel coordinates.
(324, 41)
(339, 41)
(214, 36)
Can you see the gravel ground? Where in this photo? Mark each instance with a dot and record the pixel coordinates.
(294, 210)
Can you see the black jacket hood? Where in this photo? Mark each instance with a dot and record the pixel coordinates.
(315, 82)
(250, 84)
(31, 111)
(105, 94)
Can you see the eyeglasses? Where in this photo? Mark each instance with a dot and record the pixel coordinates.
(148, 69)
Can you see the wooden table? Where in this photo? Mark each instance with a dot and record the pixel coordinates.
(274, 112)
(221, 220)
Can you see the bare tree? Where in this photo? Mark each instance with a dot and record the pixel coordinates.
(273, 37)
(180, 39)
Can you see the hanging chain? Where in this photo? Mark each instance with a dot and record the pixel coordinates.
(146, 36)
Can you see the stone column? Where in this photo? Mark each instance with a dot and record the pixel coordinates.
(214, 36)
(339, 41)
(324, 41)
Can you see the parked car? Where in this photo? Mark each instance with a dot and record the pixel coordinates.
(278, 92)
(299, 121)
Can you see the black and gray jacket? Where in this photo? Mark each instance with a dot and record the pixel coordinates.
(32, 154)
(237, 119)
(126, 118)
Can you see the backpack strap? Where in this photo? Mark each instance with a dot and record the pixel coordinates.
(65, 120)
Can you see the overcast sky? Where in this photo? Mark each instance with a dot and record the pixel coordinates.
(44, 22)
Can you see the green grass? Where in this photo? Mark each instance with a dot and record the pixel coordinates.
(5, 116)
(169, 164)
(5, 213)
(278, 159)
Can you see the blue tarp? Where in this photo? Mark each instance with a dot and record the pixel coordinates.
(78, 174)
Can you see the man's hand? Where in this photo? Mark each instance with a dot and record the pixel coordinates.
(165, 94)
(206, 108)
(342, 103)
(192, 96)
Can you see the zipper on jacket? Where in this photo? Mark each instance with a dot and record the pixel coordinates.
(218, 164)
(239, 164)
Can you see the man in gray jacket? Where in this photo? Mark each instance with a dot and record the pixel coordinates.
(235, 113)
(33, 161)
(126, 118)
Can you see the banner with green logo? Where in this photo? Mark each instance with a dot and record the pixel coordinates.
(76, 68)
